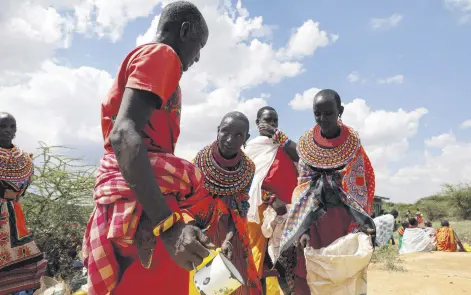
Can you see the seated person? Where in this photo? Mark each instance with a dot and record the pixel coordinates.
(415, 239)
(447, 238)
(400, 232)
(431, 232)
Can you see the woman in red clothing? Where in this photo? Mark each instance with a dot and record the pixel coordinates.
(222, 209)
(275, 178)
(335, 189)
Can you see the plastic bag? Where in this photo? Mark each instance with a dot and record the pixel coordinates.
(50, 286)
(340, 268)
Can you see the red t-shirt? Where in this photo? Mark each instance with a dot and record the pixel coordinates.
(282, 178)
(156, 68)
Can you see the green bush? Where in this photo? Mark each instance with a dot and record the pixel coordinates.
(57, 206)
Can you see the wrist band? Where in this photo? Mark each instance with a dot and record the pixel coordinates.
(280, 137)
(167, 223)
(267, 197)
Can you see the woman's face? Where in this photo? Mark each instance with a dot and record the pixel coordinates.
(326, 114)
(269, 117)
(7, 130)
(232, 134)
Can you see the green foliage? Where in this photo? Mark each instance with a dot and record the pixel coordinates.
(460, 199)
(453, 203)
(58, 204)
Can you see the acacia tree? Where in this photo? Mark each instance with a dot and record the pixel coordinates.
(460, 199)
(58, 204)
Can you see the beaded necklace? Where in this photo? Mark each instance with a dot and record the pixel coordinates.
(16, 167)
(320, 152)
(223, 181)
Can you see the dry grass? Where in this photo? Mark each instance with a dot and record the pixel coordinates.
(388, 258)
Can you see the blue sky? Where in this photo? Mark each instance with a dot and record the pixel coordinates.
(421, 46)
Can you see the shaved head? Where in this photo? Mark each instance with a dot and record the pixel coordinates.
(176, 13)
(329, 94)
(235, 115)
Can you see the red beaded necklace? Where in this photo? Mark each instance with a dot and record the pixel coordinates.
(218, 179)
(325, 153)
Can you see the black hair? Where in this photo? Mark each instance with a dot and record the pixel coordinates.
(394, 213)
(413, 221)
(239, 116)
(6, 113)
(445, 223)
(428, 223)
(405, 224)
(176, 13)
(265, 108)
(330, 93)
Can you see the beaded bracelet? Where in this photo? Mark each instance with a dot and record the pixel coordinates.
(267, 197)
(167, 223)
(280, 137)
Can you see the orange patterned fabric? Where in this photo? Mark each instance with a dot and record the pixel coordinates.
(17, 247)
(359, 180)
(446, 239)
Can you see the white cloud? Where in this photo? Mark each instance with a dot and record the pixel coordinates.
(441, 140)
(30, 33)
(107, 18)
(307, 39)
(354, 77)
(58, 105)
(304, 101)
(462, 7)
(427, 177)
(386, 23)
(466, 124)
(397, 79)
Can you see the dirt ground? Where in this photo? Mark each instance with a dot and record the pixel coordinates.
(434, 273)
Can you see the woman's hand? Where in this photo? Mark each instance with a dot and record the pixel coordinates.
(266, 130)
(279, 206)
(227, 249)
(305, 240)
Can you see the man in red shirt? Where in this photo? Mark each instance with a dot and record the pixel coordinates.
(137, 238)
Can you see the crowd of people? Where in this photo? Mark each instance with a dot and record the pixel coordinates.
(415, 234)
(276, 208)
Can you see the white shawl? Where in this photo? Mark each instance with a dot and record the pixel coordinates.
(415, 240)
(262, 151)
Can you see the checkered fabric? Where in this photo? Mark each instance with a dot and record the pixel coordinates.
(117, 212)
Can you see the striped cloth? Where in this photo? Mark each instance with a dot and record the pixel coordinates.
(116, 215)
(22, 278)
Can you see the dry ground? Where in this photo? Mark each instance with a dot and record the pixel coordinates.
(435, 273)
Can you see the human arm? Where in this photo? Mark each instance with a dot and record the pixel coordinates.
(458, 242)
(288, 145)
(290, 149)
(185, 243)
(226, 246)
(305, 239)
